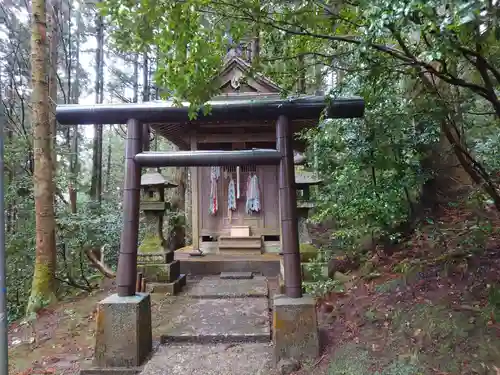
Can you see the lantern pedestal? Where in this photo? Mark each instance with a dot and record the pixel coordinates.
(154, 260)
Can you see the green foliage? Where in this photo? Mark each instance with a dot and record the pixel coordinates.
(373, 167)
(415, 63)
(75, 233)
(192, 37)
(90, 228)
(322, 286)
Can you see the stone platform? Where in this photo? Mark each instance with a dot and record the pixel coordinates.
(213, 264)
(211, 326)
(218, 310)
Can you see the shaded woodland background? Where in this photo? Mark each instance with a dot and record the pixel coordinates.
(429, 141)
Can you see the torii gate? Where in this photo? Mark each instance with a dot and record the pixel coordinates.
(138, 116)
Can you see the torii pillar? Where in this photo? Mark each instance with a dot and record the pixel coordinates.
(295, 326)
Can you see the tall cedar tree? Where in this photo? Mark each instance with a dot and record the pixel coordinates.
(42, 290)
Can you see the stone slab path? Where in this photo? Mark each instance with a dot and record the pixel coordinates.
(220, 327)
(221, 320)
(213, 359)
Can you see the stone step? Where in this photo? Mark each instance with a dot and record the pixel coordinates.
(240, 251)
(236, 275)
(231, 242)
(214, 264)
(213, 287)
(221, 321)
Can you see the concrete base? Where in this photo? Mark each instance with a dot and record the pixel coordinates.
(170, 289)
(123, 335)
(295, 328)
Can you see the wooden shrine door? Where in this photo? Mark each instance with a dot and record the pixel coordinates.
(240, 217)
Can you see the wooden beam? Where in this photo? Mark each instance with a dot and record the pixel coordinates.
(246, 137)
(224, 124)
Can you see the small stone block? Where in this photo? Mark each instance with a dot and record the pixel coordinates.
(123, 335)
(161, 272)
(170, 289)
(295, 328)
(236, 275)
(160, 257)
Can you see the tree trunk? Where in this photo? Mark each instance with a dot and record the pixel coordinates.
(145, 77)
(146, 131)
(135, 79)
(42, 290)
(74, 93)
(96, 181)
(301, 81)
(460, 157)
(108, 161)
(53, 18)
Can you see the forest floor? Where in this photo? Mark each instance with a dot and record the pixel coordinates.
(433, 307)
(430, 308)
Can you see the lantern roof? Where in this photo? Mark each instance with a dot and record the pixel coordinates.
(154, 178)
(306, 178)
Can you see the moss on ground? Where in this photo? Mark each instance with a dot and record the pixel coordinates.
(353, 359)
(452, 341)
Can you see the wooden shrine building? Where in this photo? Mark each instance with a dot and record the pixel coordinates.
(223, 218)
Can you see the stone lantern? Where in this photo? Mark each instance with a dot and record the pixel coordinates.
(303, 181)
(154, 259)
